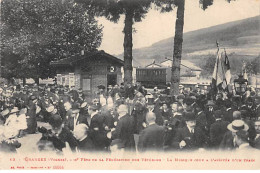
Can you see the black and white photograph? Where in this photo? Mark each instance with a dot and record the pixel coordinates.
(129, 82)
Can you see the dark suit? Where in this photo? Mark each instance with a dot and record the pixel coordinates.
(86, 145)
(227, 142)
(257, 143)
(31, 121)
(228, 115)
(174, 124)
(125, 131)
(151, 138)
(201, 120)
(217, 132)
(139, 119)
(82, 119)
(193, 141)
(97, 132)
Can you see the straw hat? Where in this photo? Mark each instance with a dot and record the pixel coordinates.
(237, 125)
(14, 110)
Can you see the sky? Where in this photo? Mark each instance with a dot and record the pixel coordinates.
(157, 26)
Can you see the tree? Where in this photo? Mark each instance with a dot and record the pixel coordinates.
(178, 38)
(134, 11)
(36, 32)
(253, 66)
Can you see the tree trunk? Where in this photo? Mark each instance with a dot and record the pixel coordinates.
(178, 39)
(24, 81)
(128, 45)
(36, 80)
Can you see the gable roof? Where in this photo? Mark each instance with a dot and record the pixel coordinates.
(185, 63)
(153, 63)
(70, 61)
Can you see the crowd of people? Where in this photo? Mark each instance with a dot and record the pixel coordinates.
(128, 118)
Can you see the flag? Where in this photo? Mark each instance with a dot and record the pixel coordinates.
(221, 76)
(226, 68)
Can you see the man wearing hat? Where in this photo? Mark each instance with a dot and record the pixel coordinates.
(59, 134)
(257, 107)
(228, 115)
(209, 111)
(75, 118)
(257, 138)
(153, 106)
(240, 130)
(218, 129)
(97, 132)
(190, 137)
(124, 129)
(152, 137)
(31, 120)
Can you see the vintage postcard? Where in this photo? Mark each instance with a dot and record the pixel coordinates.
(130, 85)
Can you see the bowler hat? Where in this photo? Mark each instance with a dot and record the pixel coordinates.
(189, 116)
(181, 96)
(101, 87)
(218, 114)
(93, 107)
(55, 121)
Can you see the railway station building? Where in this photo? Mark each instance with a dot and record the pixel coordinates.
(88, 71)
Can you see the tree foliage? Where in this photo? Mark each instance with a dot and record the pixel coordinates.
(36, 32)
(253, 66)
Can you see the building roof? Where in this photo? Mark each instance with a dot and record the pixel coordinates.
(185, 63)
(70, 61)
(153, 64)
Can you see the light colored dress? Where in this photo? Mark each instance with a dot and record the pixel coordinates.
(22, 123)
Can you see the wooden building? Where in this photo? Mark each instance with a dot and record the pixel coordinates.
(89, 70)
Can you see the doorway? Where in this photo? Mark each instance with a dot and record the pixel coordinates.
(111, 79)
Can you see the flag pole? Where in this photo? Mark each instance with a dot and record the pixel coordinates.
(217, 64)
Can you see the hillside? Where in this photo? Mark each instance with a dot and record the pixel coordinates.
(241, 38)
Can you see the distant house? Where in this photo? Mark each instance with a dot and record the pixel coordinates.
(89, 70)
(154, 65)
(188, 69)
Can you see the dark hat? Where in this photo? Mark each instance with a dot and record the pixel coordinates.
(80, 90)
(244, 113)
(93, 107)
(55, 121)
(189, 116)
(181, 96)
(218, 114)
(101, 87)
(188, 101)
